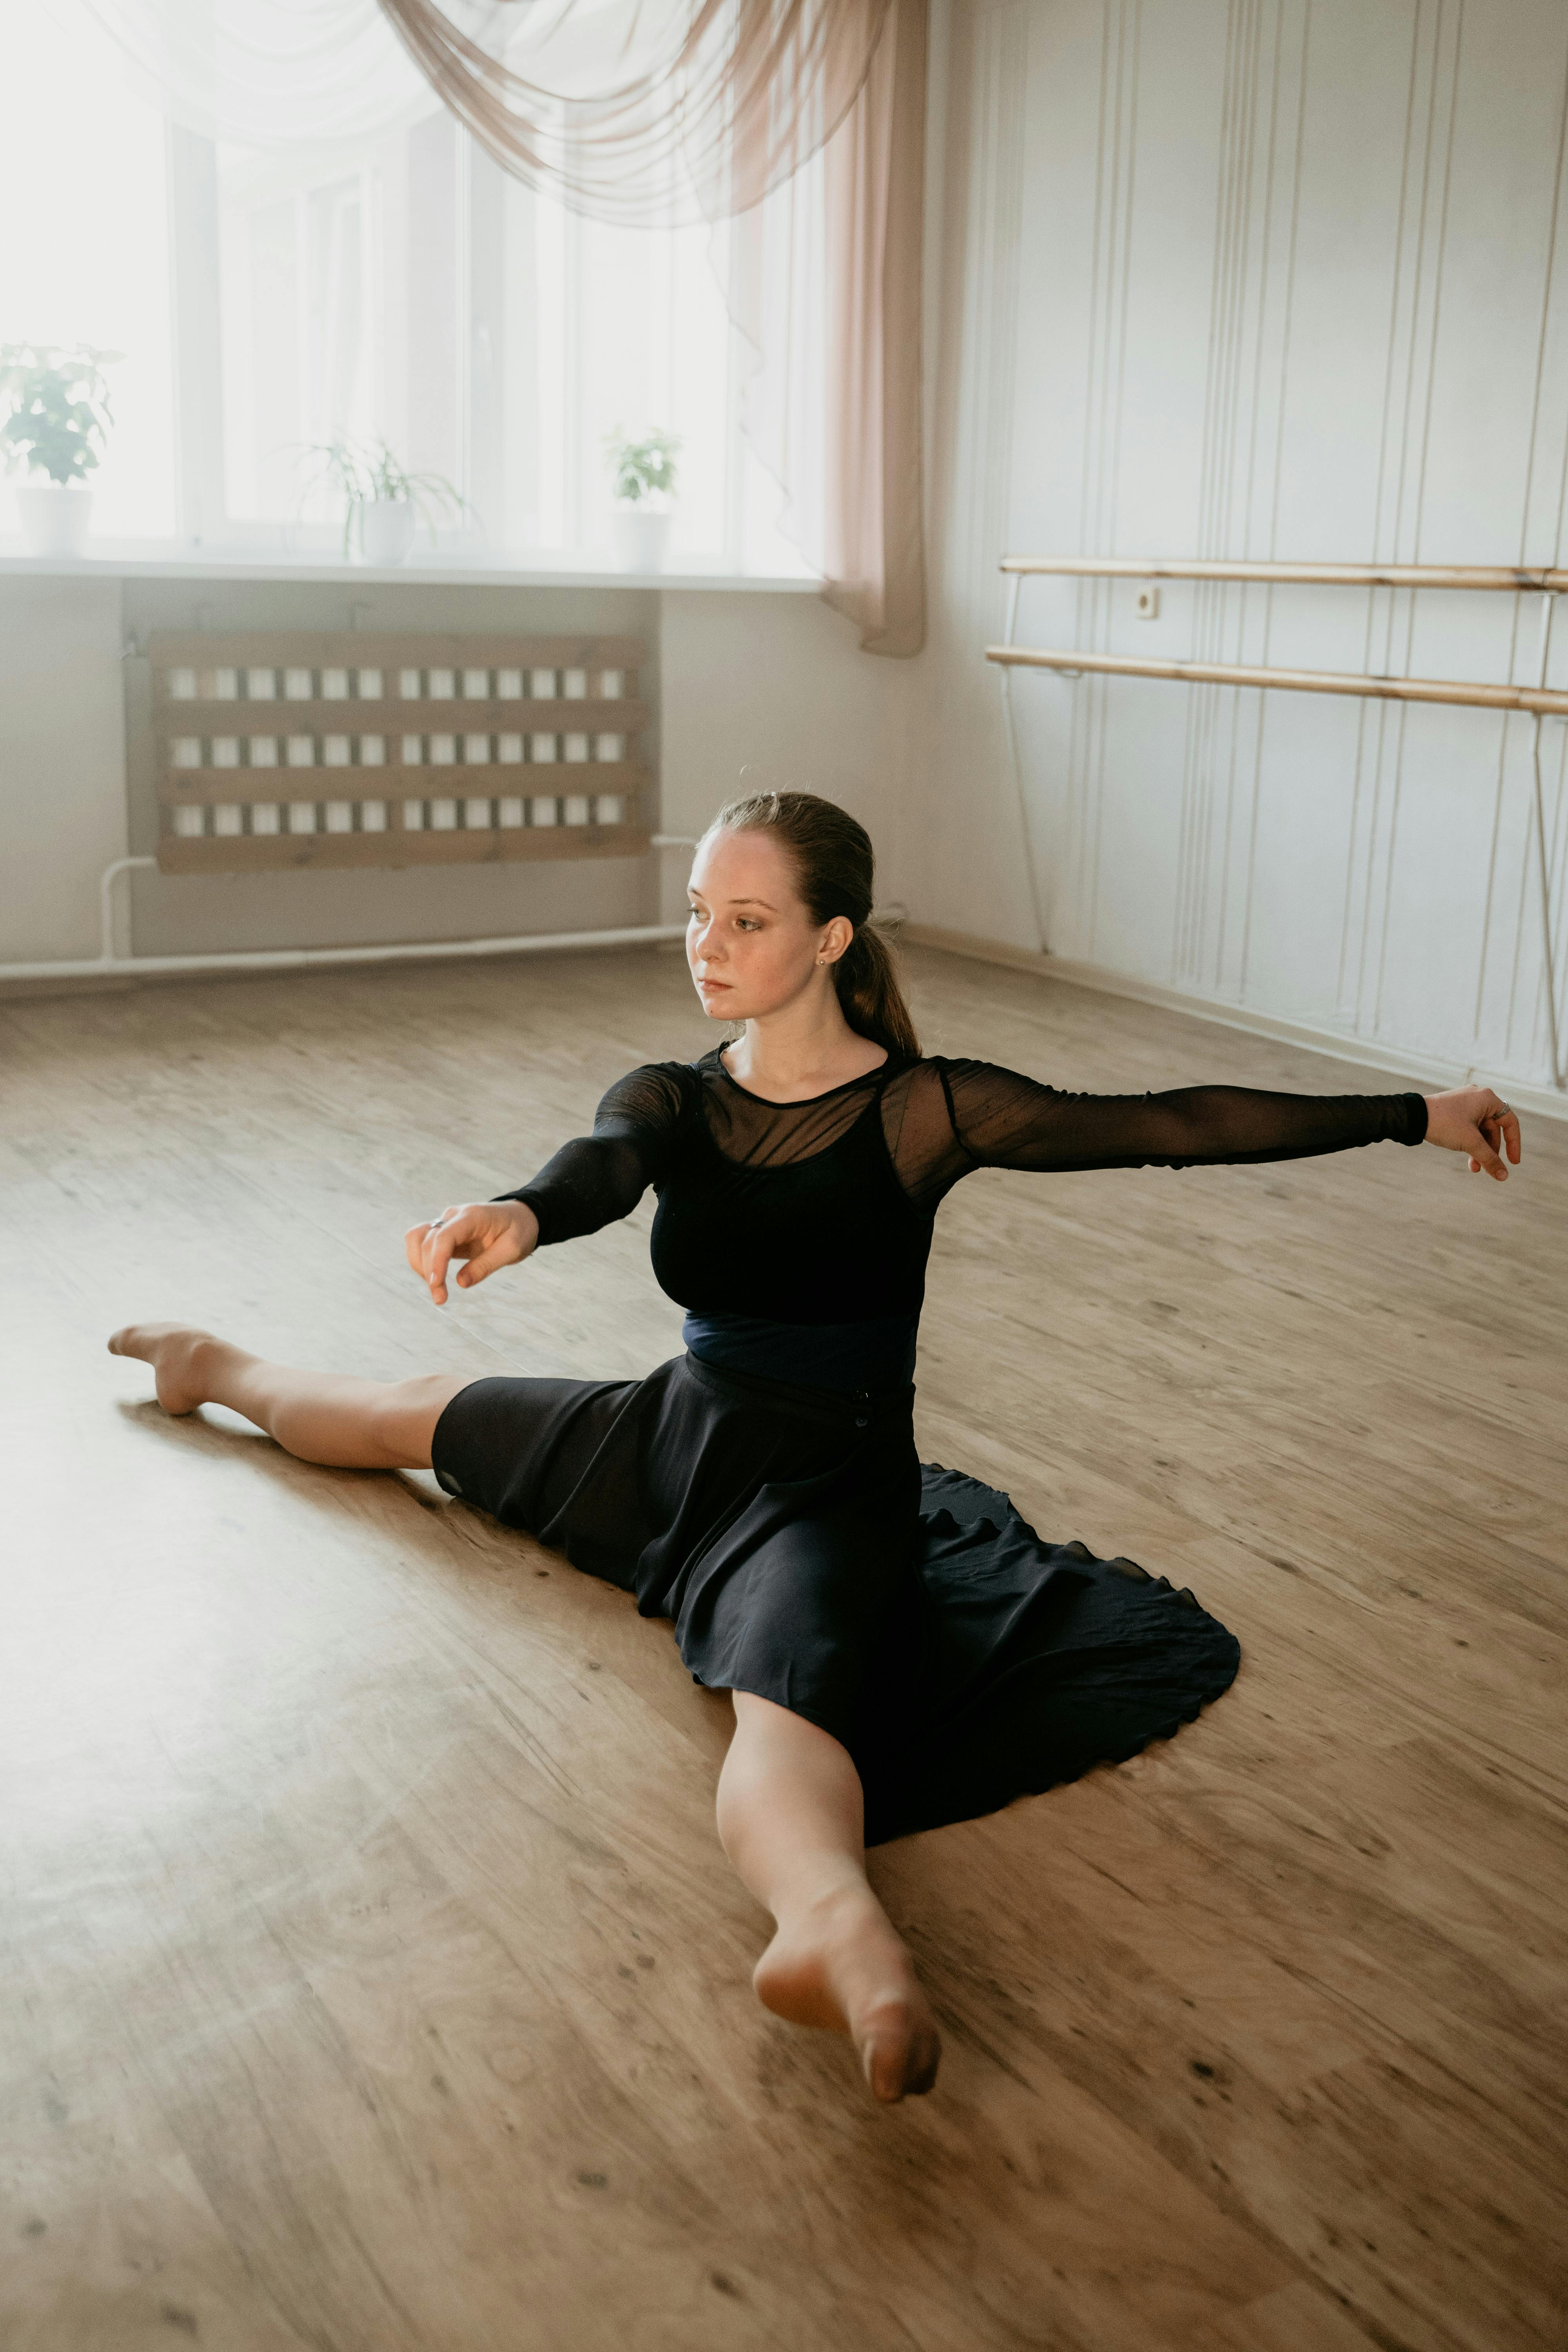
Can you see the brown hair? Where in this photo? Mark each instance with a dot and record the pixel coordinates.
(835, 867)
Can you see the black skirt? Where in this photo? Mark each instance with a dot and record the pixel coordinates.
(804, 1553)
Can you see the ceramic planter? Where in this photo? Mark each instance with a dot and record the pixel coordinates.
(386, 528)
(54, 517)
(640, 538)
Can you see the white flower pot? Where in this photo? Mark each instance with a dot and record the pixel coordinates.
(54, 517)
(640, 538)
(386, 528)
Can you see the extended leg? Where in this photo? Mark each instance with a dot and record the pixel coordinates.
(792, 1820)
(320, 1416)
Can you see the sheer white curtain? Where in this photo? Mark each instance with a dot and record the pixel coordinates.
(407, 287)
(635, 109)
(377, 273)
(269, 73)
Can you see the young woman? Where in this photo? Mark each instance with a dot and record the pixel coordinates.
(901, 1649)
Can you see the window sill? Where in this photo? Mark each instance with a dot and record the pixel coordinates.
(118, 559)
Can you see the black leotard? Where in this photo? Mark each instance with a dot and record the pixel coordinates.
(821, 1212)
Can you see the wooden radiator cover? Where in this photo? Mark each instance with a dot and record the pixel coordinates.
(286, 750)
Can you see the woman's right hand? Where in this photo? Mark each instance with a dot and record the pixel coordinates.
(487, 1233)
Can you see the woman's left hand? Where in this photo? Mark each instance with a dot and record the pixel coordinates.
(1477, 1120)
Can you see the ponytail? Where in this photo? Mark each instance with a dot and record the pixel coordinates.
(867, 978)
(835, 868)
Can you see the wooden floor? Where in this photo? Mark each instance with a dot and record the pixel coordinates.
(373, 1979)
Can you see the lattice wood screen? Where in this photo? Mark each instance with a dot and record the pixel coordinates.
(295, 750)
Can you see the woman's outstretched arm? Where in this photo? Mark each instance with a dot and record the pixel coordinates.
(591, 1181)
(1000, 1119)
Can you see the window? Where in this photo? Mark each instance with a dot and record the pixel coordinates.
(85, 256)
(270, 299)
(413, 289)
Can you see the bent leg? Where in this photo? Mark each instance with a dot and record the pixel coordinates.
(790, 1818)
(327, 1417)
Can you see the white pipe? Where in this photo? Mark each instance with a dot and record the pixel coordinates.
(106, 882)
(299, 959)
(108, 965)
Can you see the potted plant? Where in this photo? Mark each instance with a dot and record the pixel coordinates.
(642, 484)
(381, 497)
(57, 427)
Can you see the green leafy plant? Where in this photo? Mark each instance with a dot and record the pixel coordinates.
(363, 472)
(59, 417)
(641, 470)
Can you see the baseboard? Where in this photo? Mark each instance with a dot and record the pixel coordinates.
(1314, 1038)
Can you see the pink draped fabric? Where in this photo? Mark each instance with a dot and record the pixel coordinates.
(715, 106)
(874, 555)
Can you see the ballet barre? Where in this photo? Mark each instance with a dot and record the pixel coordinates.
(1546, 702)
(1539, 702)
(1497, 576)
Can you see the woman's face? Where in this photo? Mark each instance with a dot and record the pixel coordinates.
(750, 940)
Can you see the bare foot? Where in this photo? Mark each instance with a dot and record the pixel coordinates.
(172, 1349)
(839, 1964)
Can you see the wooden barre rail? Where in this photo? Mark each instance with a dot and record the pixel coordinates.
(1545, 701)
(1331, 575)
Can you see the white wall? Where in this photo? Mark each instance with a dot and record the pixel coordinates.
(777, 686)
(62, 762)
(1273, 278)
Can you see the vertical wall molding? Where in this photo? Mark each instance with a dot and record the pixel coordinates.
(1541, 525)
(1106, 358)
(1257, 201)
(1407, 417)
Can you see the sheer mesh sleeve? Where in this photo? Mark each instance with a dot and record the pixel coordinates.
(597, 1178)
(964, 1115)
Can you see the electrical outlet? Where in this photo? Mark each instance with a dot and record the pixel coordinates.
(1147, 605)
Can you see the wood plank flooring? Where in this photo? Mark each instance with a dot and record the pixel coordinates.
(373, 1981)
